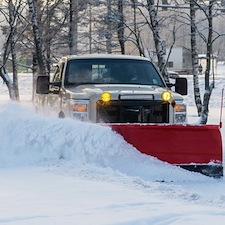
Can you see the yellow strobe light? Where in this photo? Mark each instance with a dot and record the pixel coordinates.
(105, 96)
(166, 96)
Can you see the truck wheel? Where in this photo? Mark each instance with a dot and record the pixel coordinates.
(61, 115)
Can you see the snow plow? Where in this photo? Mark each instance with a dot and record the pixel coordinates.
(195, 148)
(129, 94)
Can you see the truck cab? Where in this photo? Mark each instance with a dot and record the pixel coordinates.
(111, 89)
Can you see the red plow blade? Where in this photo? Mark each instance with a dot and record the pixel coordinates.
(196, 148)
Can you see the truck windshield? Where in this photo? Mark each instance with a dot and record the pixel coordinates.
(111, 71)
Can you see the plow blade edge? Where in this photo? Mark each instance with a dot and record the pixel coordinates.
(196, 148)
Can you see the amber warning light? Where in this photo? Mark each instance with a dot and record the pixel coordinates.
(105, 96)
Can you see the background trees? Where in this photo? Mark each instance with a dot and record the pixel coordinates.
(75, 26)
(39, 32)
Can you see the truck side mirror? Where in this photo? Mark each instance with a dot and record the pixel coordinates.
(181, 85)
(42, 85)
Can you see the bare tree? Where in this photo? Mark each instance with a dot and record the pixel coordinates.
(208, 35)
(48, 32)
(159, 43)
(208, 11)
(135, 28)
(13, 17)
(49, 28)
(41, 61)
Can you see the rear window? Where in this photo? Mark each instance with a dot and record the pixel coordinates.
(111, 71)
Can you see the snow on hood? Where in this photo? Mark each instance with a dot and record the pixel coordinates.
(28, 139)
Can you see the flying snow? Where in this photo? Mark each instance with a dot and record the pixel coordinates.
(29, 139)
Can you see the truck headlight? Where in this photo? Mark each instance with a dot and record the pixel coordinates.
(180, 114)
(79, 109)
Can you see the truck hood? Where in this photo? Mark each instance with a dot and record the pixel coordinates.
(86, 92)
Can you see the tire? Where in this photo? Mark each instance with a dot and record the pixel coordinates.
(61, 115)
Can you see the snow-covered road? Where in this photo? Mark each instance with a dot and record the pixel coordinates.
(66, 194)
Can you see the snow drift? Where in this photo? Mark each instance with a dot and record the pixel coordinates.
(28, 139)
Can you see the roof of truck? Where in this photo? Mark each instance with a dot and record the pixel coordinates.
(108, 56)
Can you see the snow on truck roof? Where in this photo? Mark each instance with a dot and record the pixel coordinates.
(106, 56)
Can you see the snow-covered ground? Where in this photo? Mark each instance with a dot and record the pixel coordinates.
(66, 172)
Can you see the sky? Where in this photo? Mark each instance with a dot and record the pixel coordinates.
(55, 171)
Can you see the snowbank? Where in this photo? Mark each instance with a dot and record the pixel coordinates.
(30, 139)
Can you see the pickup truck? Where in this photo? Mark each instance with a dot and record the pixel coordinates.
(111, 89)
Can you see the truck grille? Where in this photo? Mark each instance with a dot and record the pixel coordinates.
(129, 111)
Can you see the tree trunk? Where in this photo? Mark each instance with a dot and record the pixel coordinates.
(194, 57)
(42, 68)
(159, 45)
(109, 28)
(15, 73)
(208, 88)
(120, 31)
(35, 74)
(73, 27)
(38, 52)
(90, 28)
(48, 37)
(8, 82)
(205, 106)
(12, 49)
